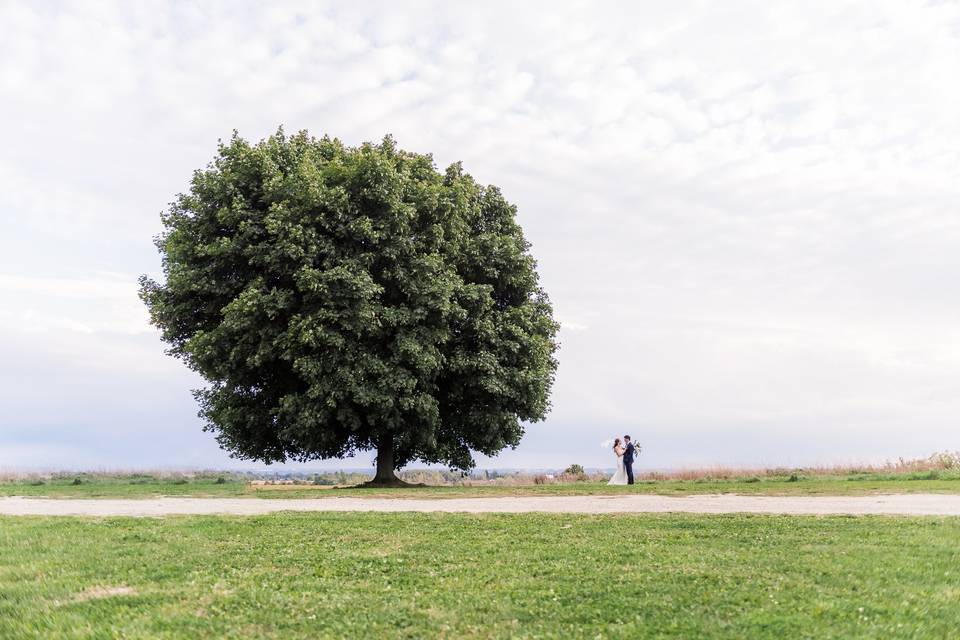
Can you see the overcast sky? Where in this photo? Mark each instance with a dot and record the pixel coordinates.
(747, 214)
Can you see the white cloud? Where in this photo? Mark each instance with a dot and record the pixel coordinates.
(751, 205)
(97, 303)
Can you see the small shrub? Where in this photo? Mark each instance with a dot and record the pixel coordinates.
(180, 481)
(753, 479)
(793, 478)
(76, 482)
(221, 480)
(946, 460)
(574, 473)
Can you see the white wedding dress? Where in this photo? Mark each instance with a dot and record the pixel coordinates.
(620, 477)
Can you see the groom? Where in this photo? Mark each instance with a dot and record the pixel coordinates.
(628, 459)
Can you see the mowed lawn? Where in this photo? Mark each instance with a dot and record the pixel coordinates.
(354, 575)
(110, 486)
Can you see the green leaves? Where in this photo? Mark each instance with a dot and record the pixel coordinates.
(333, 295)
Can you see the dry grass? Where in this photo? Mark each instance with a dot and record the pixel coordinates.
(938, 462)
(100, 592)
(945, 461)
(153, 474)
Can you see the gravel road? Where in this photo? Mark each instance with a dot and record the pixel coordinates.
(907, 504)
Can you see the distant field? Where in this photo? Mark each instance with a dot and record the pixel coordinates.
(356, 575)
(142, 486)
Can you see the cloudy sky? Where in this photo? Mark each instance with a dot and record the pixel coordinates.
(747, 214)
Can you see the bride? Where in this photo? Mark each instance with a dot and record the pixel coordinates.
(620, 477)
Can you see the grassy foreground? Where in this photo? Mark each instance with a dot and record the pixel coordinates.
(145, 486)
(479, 576)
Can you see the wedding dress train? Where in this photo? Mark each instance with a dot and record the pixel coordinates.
(620, 477)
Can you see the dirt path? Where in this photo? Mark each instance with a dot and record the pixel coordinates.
(915, 504)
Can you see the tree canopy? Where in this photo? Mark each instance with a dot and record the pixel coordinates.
(340, 299)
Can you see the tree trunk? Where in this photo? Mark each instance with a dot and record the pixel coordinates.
(385, 472)
(386, 477)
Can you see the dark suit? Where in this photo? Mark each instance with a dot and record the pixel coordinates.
(628, 462)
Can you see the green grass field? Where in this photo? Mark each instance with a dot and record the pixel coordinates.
(479, 576)
(144, 486)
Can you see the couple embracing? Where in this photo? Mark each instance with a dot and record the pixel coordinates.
(625, 452)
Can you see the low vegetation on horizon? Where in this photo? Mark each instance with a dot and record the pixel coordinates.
(937, 473)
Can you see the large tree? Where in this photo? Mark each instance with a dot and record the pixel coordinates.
(341, 299)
